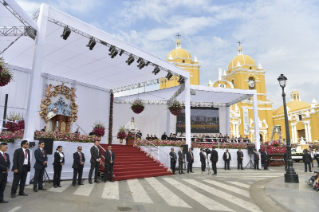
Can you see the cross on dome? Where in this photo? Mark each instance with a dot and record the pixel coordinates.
(178, 42)
(240, 50)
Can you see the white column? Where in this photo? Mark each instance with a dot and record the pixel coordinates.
(309, 132)
(33, 108)
(256, 125)
(168, 123)
(293, 133)
(306, 130)
(188, 112)
(237, 130)
(296, 136)
(227, 121)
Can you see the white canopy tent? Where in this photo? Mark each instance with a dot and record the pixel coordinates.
(202, 96)
(71, 59)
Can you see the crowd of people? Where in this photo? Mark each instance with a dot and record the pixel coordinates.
(202, 138)
(21, 166)
(214, 158)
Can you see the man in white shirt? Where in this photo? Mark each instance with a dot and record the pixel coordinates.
(227, 159)
(20, 167)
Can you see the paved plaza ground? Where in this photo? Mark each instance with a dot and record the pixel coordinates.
(233, 190)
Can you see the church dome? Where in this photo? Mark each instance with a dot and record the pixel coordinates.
(179, 52)
(294, 105)
(241, 59)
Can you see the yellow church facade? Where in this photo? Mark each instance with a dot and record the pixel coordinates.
(244, 73)
(182, 58)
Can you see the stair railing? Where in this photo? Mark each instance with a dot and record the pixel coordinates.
(156, 152)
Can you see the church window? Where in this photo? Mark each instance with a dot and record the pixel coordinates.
(300, 117)
(221, 85)
(251, 83)
(233, 82)
(250, 68)
(183, 61)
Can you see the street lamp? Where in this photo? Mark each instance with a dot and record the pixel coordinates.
(290, 176)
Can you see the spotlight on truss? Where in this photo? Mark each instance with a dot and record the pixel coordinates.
(156, 70)
(91, 43)
(130, 60)
(113, 51)
(66, 33)
(181, 79)
(31, 32)
(121, 52)
(141, 63)
(169, 75)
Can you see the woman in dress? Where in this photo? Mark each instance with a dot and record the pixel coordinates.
(57, 166)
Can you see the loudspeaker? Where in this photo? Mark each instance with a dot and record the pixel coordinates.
(250, 149)
(185, 148)
(48, 145)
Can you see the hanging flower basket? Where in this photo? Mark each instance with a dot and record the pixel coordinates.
(138, 106)
(5, 75)
(175, 108)
(99, 129)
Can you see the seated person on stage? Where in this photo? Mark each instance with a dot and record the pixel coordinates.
(164, 137)
(170, 136)
(43, 130)
(139, 134)
(240, 139)
(91, 133)
(173, 138)
(155, 137)
(147, 137)
(233, 139)
(208, 139)
(247, 139)
(151, 137)
(77, 131)
(227, 138)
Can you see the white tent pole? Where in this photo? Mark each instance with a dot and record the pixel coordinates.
(188, 112)
(227, 122)
(256, 125)
(33, 108)
(168, 123)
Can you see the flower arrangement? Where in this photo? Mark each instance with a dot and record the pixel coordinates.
(138, 106)
(121, 134)
(160, 143)
(169, 170)
(5, 74)
(130, 136)
(9, 136)
(99, 129)
(175, 108)
(59, 136)
(161, 164)
(16, 122)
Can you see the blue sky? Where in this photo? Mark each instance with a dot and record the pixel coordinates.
(280, 34)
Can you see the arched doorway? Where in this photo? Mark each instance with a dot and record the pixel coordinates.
(261, 137)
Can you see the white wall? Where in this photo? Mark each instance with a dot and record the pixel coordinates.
(93, 104)
(153, 120)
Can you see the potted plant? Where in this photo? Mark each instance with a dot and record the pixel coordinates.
(99, 129)
(175, 108)
(121, 134)
(138, 106)
(5, 74)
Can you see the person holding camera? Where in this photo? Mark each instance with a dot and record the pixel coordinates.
(214, 160)
(180, 161)
(202, 159)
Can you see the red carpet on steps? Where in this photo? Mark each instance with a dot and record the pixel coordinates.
(131, 163)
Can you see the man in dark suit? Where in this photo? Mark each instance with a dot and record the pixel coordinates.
(307, 160)
(173, 157)
(164, 137)
(78, 164)
(190, 161)
(214, 160)
(256, 160)
(240, 156)
(265, 159)
(227, 159)
(180, 161)
(4, 168)
(139, 134)
(109, 163)
(41, 160)
(202, 159)
(20, 167)
(95, 161)
(286, 160)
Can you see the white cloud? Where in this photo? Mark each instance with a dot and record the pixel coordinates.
(77, 6)
(29, 6)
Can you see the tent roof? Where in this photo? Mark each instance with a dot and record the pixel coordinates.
(72, 59)
(202, 96)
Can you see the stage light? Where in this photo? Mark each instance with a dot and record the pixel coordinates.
(113, 51)
(147, 63)
(181, 79)
(91, 43)
(156, 70)
(66, 33)
(31, 32)
(121, 52)
(141, 63)
(103, 43)
(130, 60)
(169, 76)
